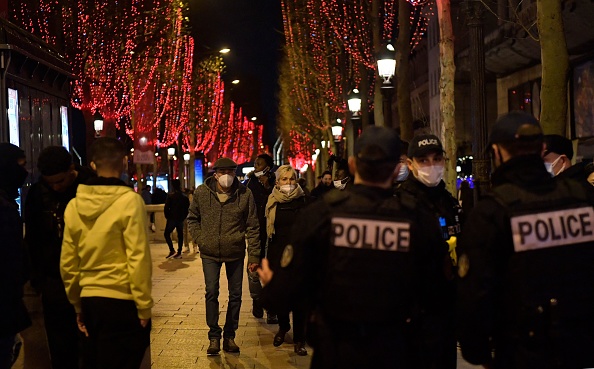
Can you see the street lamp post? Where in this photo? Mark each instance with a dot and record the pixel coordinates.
(186, 169)
(171, 157)
(480, 162)
(337, 134)
(97, 123)
(386, 66)
(354, 123)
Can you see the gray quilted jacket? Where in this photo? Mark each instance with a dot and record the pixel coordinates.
(221, 229)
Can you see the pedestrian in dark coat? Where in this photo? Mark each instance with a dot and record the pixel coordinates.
(176, 211)
(13, 314)
(283, 206)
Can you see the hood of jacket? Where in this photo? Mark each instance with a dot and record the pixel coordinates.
(97, 199)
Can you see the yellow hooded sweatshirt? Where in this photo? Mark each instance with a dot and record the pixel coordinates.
(105, 252)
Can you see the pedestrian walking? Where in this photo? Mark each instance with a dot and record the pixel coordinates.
(176, 211)
(366, 261)
(324, 186)
(44, 221)
(284, 204)
(106, 262)
(148, 200)
(222, 218)
(526, 265)
(260, 182)
(13, 314)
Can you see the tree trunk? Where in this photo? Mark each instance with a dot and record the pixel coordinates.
(402, 70)
(364, 91)
(555, 66)
(378, 111)
(446, 90)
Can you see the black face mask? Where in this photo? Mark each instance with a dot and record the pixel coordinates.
(13, 175)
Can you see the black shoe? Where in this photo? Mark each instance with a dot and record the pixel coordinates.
(271, 318)
(214, 347)
(229, 345)
(257, 310)
(300, 349)
(171, 254)
(178, 255)
(279, 338)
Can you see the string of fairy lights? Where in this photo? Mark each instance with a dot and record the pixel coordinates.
(329, 46)
(134, 64)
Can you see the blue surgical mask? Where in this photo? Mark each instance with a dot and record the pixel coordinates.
(402, 173)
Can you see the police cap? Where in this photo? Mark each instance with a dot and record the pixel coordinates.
(421, 145)
(515, 126)
(377, 145)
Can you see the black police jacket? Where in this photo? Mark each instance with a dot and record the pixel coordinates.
(526, 269)
(360, 251)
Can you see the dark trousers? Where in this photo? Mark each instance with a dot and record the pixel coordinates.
(298, 324)
(64, 339)
(169, 227)
(6, 350)
(212, 274)
(117, 339)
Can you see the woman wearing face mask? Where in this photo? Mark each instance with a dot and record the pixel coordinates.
(424, 185)
(284, 203)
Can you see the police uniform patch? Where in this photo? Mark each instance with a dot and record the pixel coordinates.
(371, 234)
(463, 265)
(287, 256)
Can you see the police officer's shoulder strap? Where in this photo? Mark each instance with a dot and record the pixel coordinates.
(509, 195)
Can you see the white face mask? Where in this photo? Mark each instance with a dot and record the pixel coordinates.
(225, 180)
(341, 183)
(550, 167)
(260, 173)
(288, 188)
(402, 173)
(430, 176)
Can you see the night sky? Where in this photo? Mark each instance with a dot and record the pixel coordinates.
(252, 29)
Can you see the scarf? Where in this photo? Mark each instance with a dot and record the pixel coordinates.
(275, 197)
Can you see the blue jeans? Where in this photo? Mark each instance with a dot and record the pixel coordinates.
(212, 274)
(169, 227)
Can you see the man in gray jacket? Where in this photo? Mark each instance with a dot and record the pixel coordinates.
(222, 217)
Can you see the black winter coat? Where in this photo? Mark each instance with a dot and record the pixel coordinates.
(13, 314)
(176, 206)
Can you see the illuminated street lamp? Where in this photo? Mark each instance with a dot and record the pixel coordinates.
(235, 81)
(98, 123)
(337, 130)
(224, 50)
(171, 157)
(186, 169)
(386, 63)
(354, 102)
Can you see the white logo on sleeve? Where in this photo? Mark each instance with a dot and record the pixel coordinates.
(359, 233)
(554, 228)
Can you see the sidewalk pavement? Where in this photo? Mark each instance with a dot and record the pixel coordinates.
(179, 337)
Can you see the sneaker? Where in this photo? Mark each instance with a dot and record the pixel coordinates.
(186, 249)
(214, 347)
(177, 255)
(171, 254)
(229, 345)
(257, 310)
(271, 318)
(300, 349)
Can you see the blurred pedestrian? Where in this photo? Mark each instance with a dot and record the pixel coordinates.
(13, 314)
(148, 200)
(526, 295)
(106, 262)
(44, 221)
(324, 186)
(222, 219)
(176, 211)
(284, 204)
(260, 182)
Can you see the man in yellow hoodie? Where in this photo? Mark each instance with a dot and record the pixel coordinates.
(106, 263)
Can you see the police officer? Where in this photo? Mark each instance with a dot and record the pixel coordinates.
(365, 261)
(426, 163)
(527, 261)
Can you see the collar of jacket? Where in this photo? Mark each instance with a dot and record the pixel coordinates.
(372, 192)
(524, 170)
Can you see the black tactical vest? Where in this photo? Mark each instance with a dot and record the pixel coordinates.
(548, 281)
(369, 273)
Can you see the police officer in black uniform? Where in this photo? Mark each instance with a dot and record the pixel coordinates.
(526, 261)
(426, 164)
(367, 263)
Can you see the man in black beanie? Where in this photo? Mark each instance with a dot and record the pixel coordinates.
(44, 222)
(13, 314)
